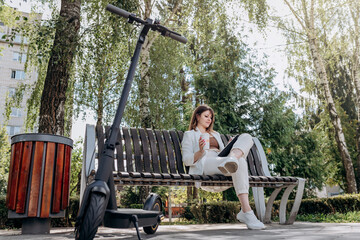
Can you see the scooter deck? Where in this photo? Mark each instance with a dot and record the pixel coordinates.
(122, 218)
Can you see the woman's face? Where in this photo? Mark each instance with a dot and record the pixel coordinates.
(204, 119)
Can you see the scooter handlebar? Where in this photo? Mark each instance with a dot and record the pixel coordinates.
(177, 37)
(118, 11)
(156, 27)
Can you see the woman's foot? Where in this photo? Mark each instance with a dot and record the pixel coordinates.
(230, 165)
(250, 220)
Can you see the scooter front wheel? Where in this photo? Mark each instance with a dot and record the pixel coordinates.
(155, 207)
(93, 217)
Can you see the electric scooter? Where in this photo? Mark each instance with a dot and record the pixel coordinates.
(99, 202)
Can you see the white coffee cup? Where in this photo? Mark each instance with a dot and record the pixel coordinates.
(206, 137)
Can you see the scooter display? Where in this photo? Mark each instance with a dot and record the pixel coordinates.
(99, 201)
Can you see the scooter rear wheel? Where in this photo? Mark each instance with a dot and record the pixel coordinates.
(93, 217)
(152, 229)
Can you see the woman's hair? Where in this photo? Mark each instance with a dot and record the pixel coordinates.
(197, 112)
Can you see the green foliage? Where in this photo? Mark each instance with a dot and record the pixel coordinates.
(68, 221)
(102, 61)
(336, 37)
(230, 195)
(215, 212)
(348, 217)
(317, 209)
(292, 148)
(129, 196)
(5, 151)
(76, 166)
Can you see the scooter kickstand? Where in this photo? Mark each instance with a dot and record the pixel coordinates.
(135, 220)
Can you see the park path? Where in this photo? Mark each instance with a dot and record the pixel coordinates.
(298, 231)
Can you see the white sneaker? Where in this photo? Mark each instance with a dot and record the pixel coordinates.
(250, 220)
(230, 165)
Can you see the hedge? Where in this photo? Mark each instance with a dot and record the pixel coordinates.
(68, 221)
(217, 212)
(225, 212)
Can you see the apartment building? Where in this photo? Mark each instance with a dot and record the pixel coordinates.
(12, 73)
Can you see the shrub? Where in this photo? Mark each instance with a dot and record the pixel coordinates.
(70, 215)
(216, 212)
(225, 212)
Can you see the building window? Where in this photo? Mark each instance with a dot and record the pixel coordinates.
(12, 92)
(13, 130)
(18, 74)
(15, 112)
(19, 57)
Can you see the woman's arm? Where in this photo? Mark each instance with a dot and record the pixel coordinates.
(187, 146)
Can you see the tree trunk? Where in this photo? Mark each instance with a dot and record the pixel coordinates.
(144, 86)
(51, 118)
(335, 119)
(100, 105)
(355, 14)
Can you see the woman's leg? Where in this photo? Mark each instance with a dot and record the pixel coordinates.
(240, 151)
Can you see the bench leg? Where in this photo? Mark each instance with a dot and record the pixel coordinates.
(270, 203)
(283, 203)
(297, 201)
(259, 200)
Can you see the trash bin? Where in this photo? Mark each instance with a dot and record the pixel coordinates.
(39, 180)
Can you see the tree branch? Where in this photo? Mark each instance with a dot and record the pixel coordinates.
(295, 14)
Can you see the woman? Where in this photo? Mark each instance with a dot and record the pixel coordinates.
(207, 162)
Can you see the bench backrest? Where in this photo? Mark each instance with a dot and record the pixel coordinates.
(159, 151)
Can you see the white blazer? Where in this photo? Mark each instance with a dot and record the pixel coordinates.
(190, 145)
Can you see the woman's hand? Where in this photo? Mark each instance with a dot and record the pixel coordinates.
(201, 144)
(200, 153)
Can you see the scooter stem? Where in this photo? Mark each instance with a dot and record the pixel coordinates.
(107, 156)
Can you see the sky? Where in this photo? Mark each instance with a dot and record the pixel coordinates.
(272, 43)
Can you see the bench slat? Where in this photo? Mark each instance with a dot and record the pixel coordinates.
(101, 138)
(170, 151)
(259, 168)
(179, 163)
(154, 153)
(137, 150)
(107, 135)
(223, 138)
(145, 149)
(251, 164)
(181, 135)
(119, 153)
(162, 152)
(128, 150)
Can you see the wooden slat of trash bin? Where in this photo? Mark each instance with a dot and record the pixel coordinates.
(59, 169)
(36, 179)
(66, 178)
(14, 176)
(47, 183)
(23, 178)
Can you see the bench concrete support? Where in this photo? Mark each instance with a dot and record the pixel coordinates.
(259, 199)
(88, 157)
(297, 201)
(269, 205)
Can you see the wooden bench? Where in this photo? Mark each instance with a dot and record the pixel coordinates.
(146, 157)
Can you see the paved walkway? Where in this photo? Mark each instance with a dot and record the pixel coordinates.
(298, 231)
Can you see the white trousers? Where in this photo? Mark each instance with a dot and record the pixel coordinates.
(240, 178)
